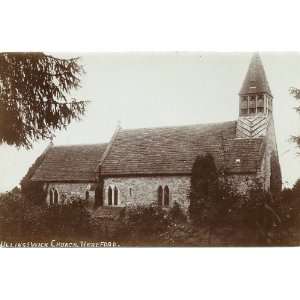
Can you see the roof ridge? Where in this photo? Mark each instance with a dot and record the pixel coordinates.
(178, 126)
(74, 145)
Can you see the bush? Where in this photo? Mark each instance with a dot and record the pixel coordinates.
(229, 219)
(11, 212)
(33, 191)
(21, 220)
(151, 225)
(176, 214)
(204, 189)
(67, 222)
(143, 224)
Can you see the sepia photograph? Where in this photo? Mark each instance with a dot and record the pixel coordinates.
(178, 149)
(150, 149)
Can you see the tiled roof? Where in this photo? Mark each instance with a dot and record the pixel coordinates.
(153, 151)
(172, 150)
(255, 80)
(70, 163)
(243, 155)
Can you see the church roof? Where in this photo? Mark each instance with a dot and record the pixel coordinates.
(255, 80)
(70, 163)
(243, 155)
(153, 151)
(172, 150)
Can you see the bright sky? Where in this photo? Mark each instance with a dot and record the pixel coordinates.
(145, 90)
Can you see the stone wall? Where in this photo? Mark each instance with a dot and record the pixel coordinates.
(71, 191)
(242, 182)
(144, 190)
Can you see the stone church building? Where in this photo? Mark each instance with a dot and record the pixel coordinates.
(153, 165)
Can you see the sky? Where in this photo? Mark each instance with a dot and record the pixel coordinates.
(165, 89)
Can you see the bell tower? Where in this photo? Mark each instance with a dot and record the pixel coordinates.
(256, 122)
(255, 101)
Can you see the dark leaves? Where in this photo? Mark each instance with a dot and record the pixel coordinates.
(34, 96)
(296, 93)
(204, 189)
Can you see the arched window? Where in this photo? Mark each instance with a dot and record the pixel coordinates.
(116, 195)
(55, 197)
(87, 195)
(160, 195)
(166, 196)
(51, 197)
(109, 196)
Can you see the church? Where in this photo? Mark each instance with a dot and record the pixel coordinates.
(153, 165)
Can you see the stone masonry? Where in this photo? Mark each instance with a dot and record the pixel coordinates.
(71, 191)
(144, 190)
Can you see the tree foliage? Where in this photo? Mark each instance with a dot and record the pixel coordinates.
(296, 93)
(35, 96)
(33, 191)
(253, 218)
(149, 225)
(145, 221)
(258, 219)
(23, 221)
(275, 180)
(296, 189)
(204, 189)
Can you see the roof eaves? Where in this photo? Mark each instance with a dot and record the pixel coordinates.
(146, 174)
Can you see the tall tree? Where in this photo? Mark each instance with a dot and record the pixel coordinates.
(296, 93)
(35, 96)
(204, 189)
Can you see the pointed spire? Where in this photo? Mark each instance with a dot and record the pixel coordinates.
(255, 81)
